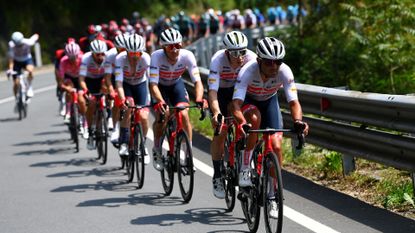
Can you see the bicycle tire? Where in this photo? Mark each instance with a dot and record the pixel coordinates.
(167, 174)
(251, 203)
(20, 103)
(271, 166)
(75, 126)
(229, 174)
(129, 166)
(102, 136)
(139, 151)
(184, 161)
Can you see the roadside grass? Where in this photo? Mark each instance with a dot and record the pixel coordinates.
(373, 183)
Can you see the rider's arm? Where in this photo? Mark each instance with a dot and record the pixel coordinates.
(213, 84)
(119, 77)
(155, 92)
(154, 79)
(32, 40)
(83, 72)
(107, 76)
(194, 75)
(239, 93)
(236, 111)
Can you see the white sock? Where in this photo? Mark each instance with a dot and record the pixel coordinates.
(246, 159)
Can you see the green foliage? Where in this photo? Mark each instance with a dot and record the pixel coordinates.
(332, 162)
(204, 127)
(366, 45)
(396, 193)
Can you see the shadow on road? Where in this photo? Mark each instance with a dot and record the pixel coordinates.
(108, 185)
(50, 151)
(52, 132)
(100, 172)
(85, 162)
(45, 142)
(377, 218)
(207, 216)
(8, 119)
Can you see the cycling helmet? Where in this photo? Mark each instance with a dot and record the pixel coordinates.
(270, 48)
(72, 49)
(98, 46)
(91, 29)
(235, 40)
(120, 40)
(17, 37)
(135, 43)
(170, 36)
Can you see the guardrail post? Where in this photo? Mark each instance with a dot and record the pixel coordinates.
(349, 164)
(38, 55)
(413, 182)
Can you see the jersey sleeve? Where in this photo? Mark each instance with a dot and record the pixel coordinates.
(108, 67)
(84, 66)
(214, 76)
(147, 61)
(290, 89)
(118, 72)
(62, 67)
(192, 67)
(242, 83)
(10, 53)
(154, 69)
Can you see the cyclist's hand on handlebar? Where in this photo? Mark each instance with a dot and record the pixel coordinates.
(202, 103)
(113, 94)
(301, 127)
(160, 107)
(123, 104)
(244, 127)
(217, 120)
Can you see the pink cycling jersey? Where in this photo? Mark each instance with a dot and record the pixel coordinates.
(161, 71)
(70, 68)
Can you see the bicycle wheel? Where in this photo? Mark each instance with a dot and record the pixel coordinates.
(251, 197)
(272, 192)
(229, 173)
(75, 126)
(20, 104)
(184, 161)
(129, 165)
(139, 154)
(167, 174)
(102, 136)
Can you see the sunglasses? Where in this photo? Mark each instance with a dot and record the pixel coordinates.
(270, 62)
(135, 54)
(173, 46)
(237, 53)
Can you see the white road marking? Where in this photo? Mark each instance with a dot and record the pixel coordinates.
(37, 91)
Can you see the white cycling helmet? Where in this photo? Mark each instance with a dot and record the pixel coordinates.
(170, 36)
(270, 48)
(98, 46)
(235, 40)
(135, 43)
(120, 40)
(17, 37)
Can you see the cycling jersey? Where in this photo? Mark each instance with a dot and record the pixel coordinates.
(124, 73)
(161, 71)
(110, 56)
(221, 74)
(21, 52)
(69, 68)
(91, 69)
(250, 83)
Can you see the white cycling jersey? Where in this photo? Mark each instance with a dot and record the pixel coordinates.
(91, 69)
(221, 74)
(125, 73)
(250, 83)
(161, 71)
(110, 56)
(22, 52)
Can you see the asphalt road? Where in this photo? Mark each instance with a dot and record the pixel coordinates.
(46, 187)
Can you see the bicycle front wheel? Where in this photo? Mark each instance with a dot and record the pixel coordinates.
(229, 173)
(167, 174)
(139, 151)
(272, 194)
(102, 136)
(75, 126)
(184, 163)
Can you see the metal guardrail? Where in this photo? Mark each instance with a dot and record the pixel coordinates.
(377, 127)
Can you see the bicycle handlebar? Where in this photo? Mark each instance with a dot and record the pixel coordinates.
(219, 126)
(300, 134)
(180, 108)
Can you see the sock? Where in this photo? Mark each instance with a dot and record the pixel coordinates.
(217, 168)
(123, 135)
(247, 155)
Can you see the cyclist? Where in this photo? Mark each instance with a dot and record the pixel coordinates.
(224, 68)
(111, 55)
(166, 85)
(20, 57)
(131, 71)
(69, 72)
(91, 75)
(256, 89)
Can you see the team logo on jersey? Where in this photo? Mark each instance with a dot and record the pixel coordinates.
(212, 81)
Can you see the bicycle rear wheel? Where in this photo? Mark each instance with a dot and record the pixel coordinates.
(167, 174)
(229, 174)
(139, 151)
(272, 192)
(102, 136)
(184, 163)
